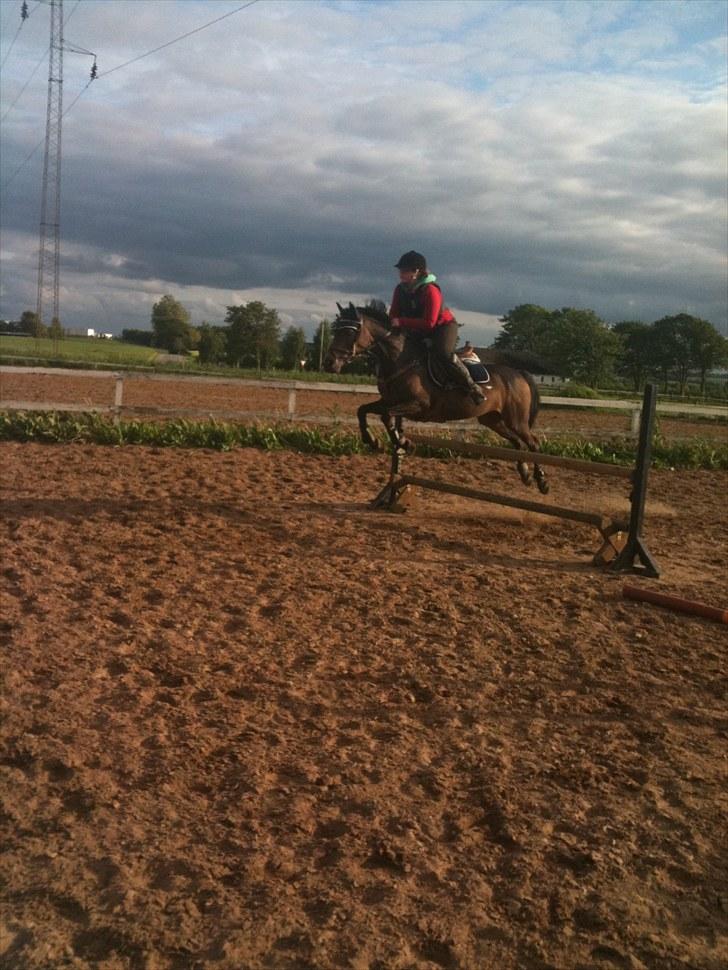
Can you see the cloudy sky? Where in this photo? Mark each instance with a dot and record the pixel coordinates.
(561, 153)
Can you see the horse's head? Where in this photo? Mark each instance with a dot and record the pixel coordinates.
(354, 332)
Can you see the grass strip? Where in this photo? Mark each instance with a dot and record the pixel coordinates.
(54, 427)
(61, 427)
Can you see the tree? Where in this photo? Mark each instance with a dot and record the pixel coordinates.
(583, 345)
(320, 346)
(637, 352)
(527, 328)
(672, 348)
(171, 326)
(708, 348)
(576, 343)
(142, 338)
(56, 331)
(212, 344)
(254, 335)
(31, 323)
(293, 348)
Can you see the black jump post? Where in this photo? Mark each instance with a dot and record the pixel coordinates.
(635, 557)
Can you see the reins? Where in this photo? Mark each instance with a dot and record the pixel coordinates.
(383, 381)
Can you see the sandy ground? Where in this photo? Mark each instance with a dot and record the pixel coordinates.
(184, 394)
(249, 723)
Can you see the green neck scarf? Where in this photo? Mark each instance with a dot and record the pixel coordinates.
(430, 278)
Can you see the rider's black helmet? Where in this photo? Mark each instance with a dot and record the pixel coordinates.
(412, 260)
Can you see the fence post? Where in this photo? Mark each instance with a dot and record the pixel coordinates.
(118, 397)
(291, 403)
(634, 425)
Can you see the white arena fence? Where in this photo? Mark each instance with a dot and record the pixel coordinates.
(119, 409)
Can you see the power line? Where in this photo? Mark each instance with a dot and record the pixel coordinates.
(42, 58)
(119, 67)
(181, 37)
(29, 156)
(12, 42)
(24, 15)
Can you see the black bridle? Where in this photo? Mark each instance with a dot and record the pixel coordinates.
(350, 319)
(337, 327)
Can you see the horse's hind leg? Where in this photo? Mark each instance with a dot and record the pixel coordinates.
(541, 481)
(533, 445)
(521, 442)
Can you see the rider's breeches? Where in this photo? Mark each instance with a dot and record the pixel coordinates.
(444, 339)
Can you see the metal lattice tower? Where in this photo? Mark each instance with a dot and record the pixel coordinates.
(49, 251)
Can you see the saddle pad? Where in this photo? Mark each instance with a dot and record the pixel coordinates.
(442, 378)
(478, 371)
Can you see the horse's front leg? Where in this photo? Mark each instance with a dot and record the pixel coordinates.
(403, 441)
(374, 407)
(393, 427)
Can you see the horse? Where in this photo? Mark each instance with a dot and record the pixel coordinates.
(409, 389)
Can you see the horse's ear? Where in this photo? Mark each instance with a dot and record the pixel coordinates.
(341, 309)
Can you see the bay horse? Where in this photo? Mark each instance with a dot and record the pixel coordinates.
(409, 390)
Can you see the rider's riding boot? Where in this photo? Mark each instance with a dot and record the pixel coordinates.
(467, 383)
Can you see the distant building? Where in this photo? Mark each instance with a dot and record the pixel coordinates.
(550, 379)
(87, 332)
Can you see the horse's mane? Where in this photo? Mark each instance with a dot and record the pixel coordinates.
(374, 309)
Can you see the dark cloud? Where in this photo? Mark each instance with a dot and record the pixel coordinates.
(311, 154)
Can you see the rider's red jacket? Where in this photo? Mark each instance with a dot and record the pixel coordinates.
(426, 301)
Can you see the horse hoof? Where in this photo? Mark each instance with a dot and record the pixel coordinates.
(544, 488)
(374, 446)
(409, 446)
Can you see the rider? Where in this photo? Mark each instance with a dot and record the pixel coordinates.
(417, 308)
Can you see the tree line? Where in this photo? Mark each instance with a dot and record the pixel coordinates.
(573, 343)
(30, 324)
(251, 336)
(577, 344)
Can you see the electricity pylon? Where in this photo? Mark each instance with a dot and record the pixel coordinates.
(49, 250)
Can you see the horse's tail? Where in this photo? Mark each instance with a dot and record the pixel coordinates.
(518, 360)
(535, 397)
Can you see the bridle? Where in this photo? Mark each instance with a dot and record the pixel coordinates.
(346, 355)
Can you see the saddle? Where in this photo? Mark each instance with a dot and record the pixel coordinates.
(441, 375)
